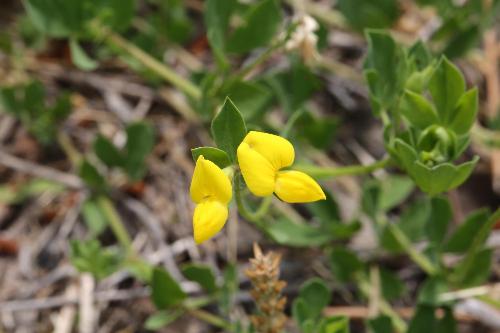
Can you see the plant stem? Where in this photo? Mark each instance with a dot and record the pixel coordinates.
(209, 318)
(68, 148)
(115, 223)
(291, 121)
(242, 73)
(243, 209)
(423, 262)
(104, 202)
(148, 61)
(333, 172)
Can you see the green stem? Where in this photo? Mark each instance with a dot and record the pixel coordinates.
(209, 318)
(242, 207)
(291, 122)
(242, 73)
(68, 148)
(148, 61)
(423, 262)
(115, 223)
(104, 202)
(333, 172)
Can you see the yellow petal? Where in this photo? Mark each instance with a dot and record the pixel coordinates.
(209, 182)
(296, 186)
(258, 173)
(277, 150)
(208, 219)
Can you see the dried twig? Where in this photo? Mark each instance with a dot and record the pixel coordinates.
(41, 171)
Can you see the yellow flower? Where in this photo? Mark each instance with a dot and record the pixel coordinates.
(211, 191)
(261, 157)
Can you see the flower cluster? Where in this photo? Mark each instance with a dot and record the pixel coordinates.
(262, 158)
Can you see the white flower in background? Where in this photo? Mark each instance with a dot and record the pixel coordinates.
(303, 39)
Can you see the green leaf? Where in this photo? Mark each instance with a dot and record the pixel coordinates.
(166, 292)
(414, 219)
(229, 129)
(344, 264)
(462, 238)
(385, 194)
(107, 152)
(116, 13)
(217, 14)
(327, 211)
(141, 270)
(57, 18)
(394, 190)
(446, 86)
(442, 177)
(370, 201)
(437, 224)
(8, 99)
(161, 319)
(386, 69)
(319, 131)
(91, 176)
(418, 110)
(465, 112)
(202, 274)
(316, 295)
(80, 58)
(462, 41)
(447, 324)
(300, 312)
(431, 290)
(140, 142)
(337, 324)
(89, 256)
(94, 218)
(363, 14)
(219, 157)
(290, 233)
(420, 55)
(259, 26)
(468, 263)
(406, 155)
(381, 324)
(392, 286)
(480, 271)
(294, 87)
(423, 320)
(13, 195)
(229, 289)
(251, 98)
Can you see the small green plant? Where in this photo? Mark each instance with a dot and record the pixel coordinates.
(27, 102)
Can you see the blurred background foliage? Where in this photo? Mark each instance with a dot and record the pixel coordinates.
(102, 101)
